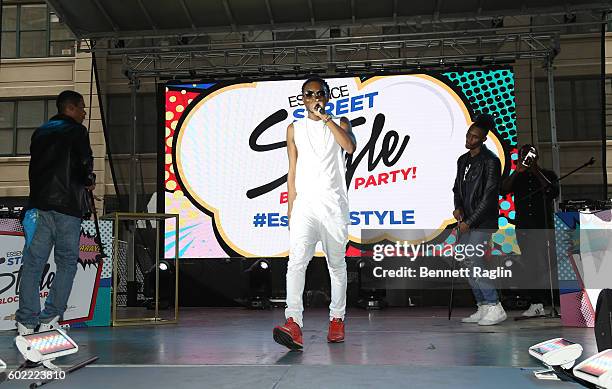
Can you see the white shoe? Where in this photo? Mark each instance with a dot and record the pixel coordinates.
(535, 310)
(52, 325)
(494, 314)
(23, 330)
(476, 316)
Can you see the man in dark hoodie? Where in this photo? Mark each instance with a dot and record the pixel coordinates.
(476, 193)
(61, 171)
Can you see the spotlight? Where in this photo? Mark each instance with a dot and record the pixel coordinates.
(557, 354)
(260, 284)
(44, 347)
(166, 286)
(596, 369)
(497, 22)
(370, 297)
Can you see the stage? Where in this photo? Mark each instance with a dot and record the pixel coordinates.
(233, 347)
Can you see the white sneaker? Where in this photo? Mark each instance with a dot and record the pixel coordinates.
(23, 330)
(51, 325)
(535, 310)
(476, 316)
(494, 314)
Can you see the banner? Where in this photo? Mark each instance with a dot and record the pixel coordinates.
(225, 160)
(89, 302)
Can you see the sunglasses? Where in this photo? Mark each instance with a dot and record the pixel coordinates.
(310, 93)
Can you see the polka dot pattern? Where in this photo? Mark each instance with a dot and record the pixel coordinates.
(492, 92)
(564, 236)
(177, 102)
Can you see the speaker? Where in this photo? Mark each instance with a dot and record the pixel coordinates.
(603, 320)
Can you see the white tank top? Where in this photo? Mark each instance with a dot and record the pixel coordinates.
(321, 167)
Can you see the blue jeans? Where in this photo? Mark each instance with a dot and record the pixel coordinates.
(483, 289)
(52, 229)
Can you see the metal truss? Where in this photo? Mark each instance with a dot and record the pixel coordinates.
(268, 58)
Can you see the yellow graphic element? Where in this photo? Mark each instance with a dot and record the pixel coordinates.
(171, 185)
(179, 108)
(169, 142)
(173, 125)
(188, 188)
(169, 115)
(186, 210)
(172, 99)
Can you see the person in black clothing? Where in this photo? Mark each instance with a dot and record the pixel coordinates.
(534, 190)
(61, 171)
(476, 197)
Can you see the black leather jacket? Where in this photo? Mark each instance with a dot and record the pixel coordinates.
(484, 200)
(61, 166)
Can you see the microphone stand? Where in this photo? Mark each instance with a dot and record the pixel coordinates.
(554, 314)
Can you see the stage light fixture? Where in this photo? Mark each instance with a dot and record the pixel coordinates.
(596, 369)
(44, 347)
(569, 18)
(166, 286)
(558, 355)
(497, 22)
(259, 277)
(370, 298)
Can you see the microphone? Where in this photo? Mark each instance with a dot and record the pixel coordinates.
(320, 108)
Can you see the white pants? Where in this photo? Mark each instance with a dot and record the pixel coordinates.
(309, 225)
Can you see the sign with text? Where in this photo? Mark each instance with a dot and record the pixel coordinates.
(226, 160)
(82, 300)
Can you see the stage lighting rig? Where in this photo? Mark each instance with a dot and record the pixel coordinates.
(44, 347)
(596, 369)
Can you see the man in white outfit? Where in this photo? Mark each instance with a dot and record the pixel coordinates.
(317, 209)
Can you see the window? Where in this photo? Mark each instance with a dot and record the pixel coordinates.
(31, 31)
(18, 120)
(578, 109)
(120, 123)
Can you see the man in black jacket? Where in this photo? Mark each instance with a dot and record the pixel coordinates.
(476, 192)
(61, 171)
(535, 190)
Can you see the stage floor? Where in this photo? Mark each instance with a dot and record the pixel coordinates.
(233, 347)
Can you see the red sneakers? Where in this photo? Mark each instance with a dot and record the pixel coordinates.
(289, 335)
(336, 331)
